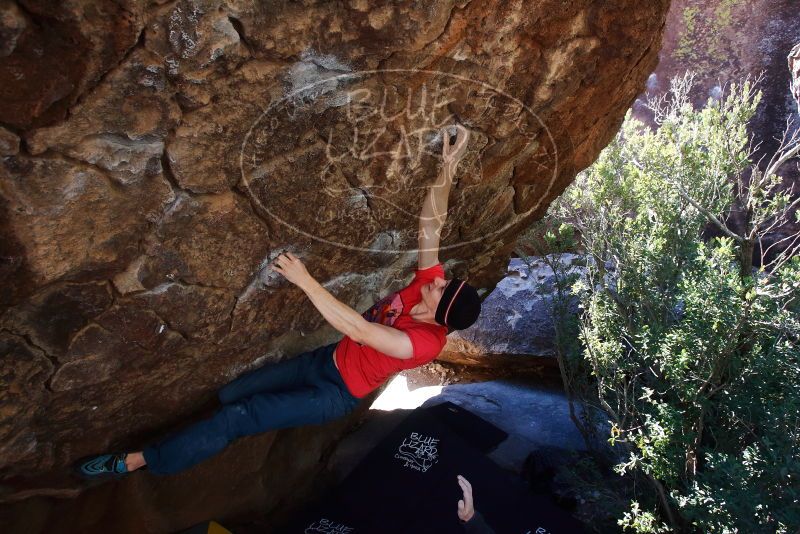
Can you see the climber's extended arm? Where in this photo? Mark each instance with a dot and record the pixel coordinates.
(390, 341)
(434, 208)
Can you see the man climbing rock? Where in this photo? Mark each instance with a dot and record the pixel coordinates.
(403, 330)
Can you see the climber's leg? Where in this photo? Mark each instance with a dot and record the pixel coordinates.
(328, 399)
(285, 375)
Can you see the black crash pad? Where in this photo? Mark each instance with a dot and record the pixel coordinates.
(407, 485)
(478, 432)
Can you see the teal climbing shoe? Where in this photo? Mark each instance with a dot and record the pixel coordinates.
(102, 466)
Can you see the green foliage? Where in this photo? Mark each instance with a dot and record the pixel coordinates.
(692, 355)
(686, 43)
(723, 14)
(706, 38)
(642, 520)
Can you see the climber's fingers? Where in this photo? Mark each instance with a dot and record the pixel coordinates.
(462, 138)
(466, 487)
(285, 258)
(466, 507)
(279, 263)
(290, 267)
(462, 135)
(453, 152)
(445, 143)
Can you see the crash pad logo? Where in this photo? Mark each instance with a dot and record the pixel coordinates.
(359, 149)
(418, 452)
(328, 527)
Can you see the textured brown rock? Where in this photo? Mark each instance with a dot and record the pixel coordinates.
(57, 51)
(25, 370)
(213, 241)
(9, 143)
(75, 221)
(121, 125)
(173, 149)
(53, 317)
(12, 24)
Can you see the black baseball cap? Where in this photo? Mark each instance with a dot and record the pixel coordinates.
(459, 307)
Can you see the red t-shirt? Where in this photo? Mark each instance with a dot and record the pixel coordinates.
(364, 368)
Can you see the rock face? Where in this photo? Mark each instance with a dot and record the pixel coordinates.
(517, 317)
(156, 156)
(534, 418)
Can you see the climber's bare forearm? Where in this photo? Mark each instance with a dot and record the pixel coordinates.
(338, 314)
(432, 218)
(434, 208)
(389, 341)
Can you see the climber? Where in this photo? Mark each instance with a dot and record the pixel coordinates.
(401, 331)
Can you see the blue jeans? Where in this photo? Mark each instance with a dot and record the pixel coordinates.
(307, 389)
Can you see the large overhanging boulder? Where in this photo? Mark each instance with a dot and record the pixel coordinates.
(157, 156)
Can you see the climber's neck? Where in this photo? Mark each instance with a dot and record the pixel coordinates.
(421, 313)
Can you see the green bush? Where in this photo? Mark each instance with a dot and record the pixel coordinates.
(690, 351)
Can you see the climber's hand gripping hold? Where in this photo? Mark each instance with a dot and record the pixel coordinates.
(292, 269)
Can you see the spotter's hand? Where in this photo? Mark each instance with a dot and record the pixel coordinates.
(465, 506)
(291, 268)
(452, 153)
